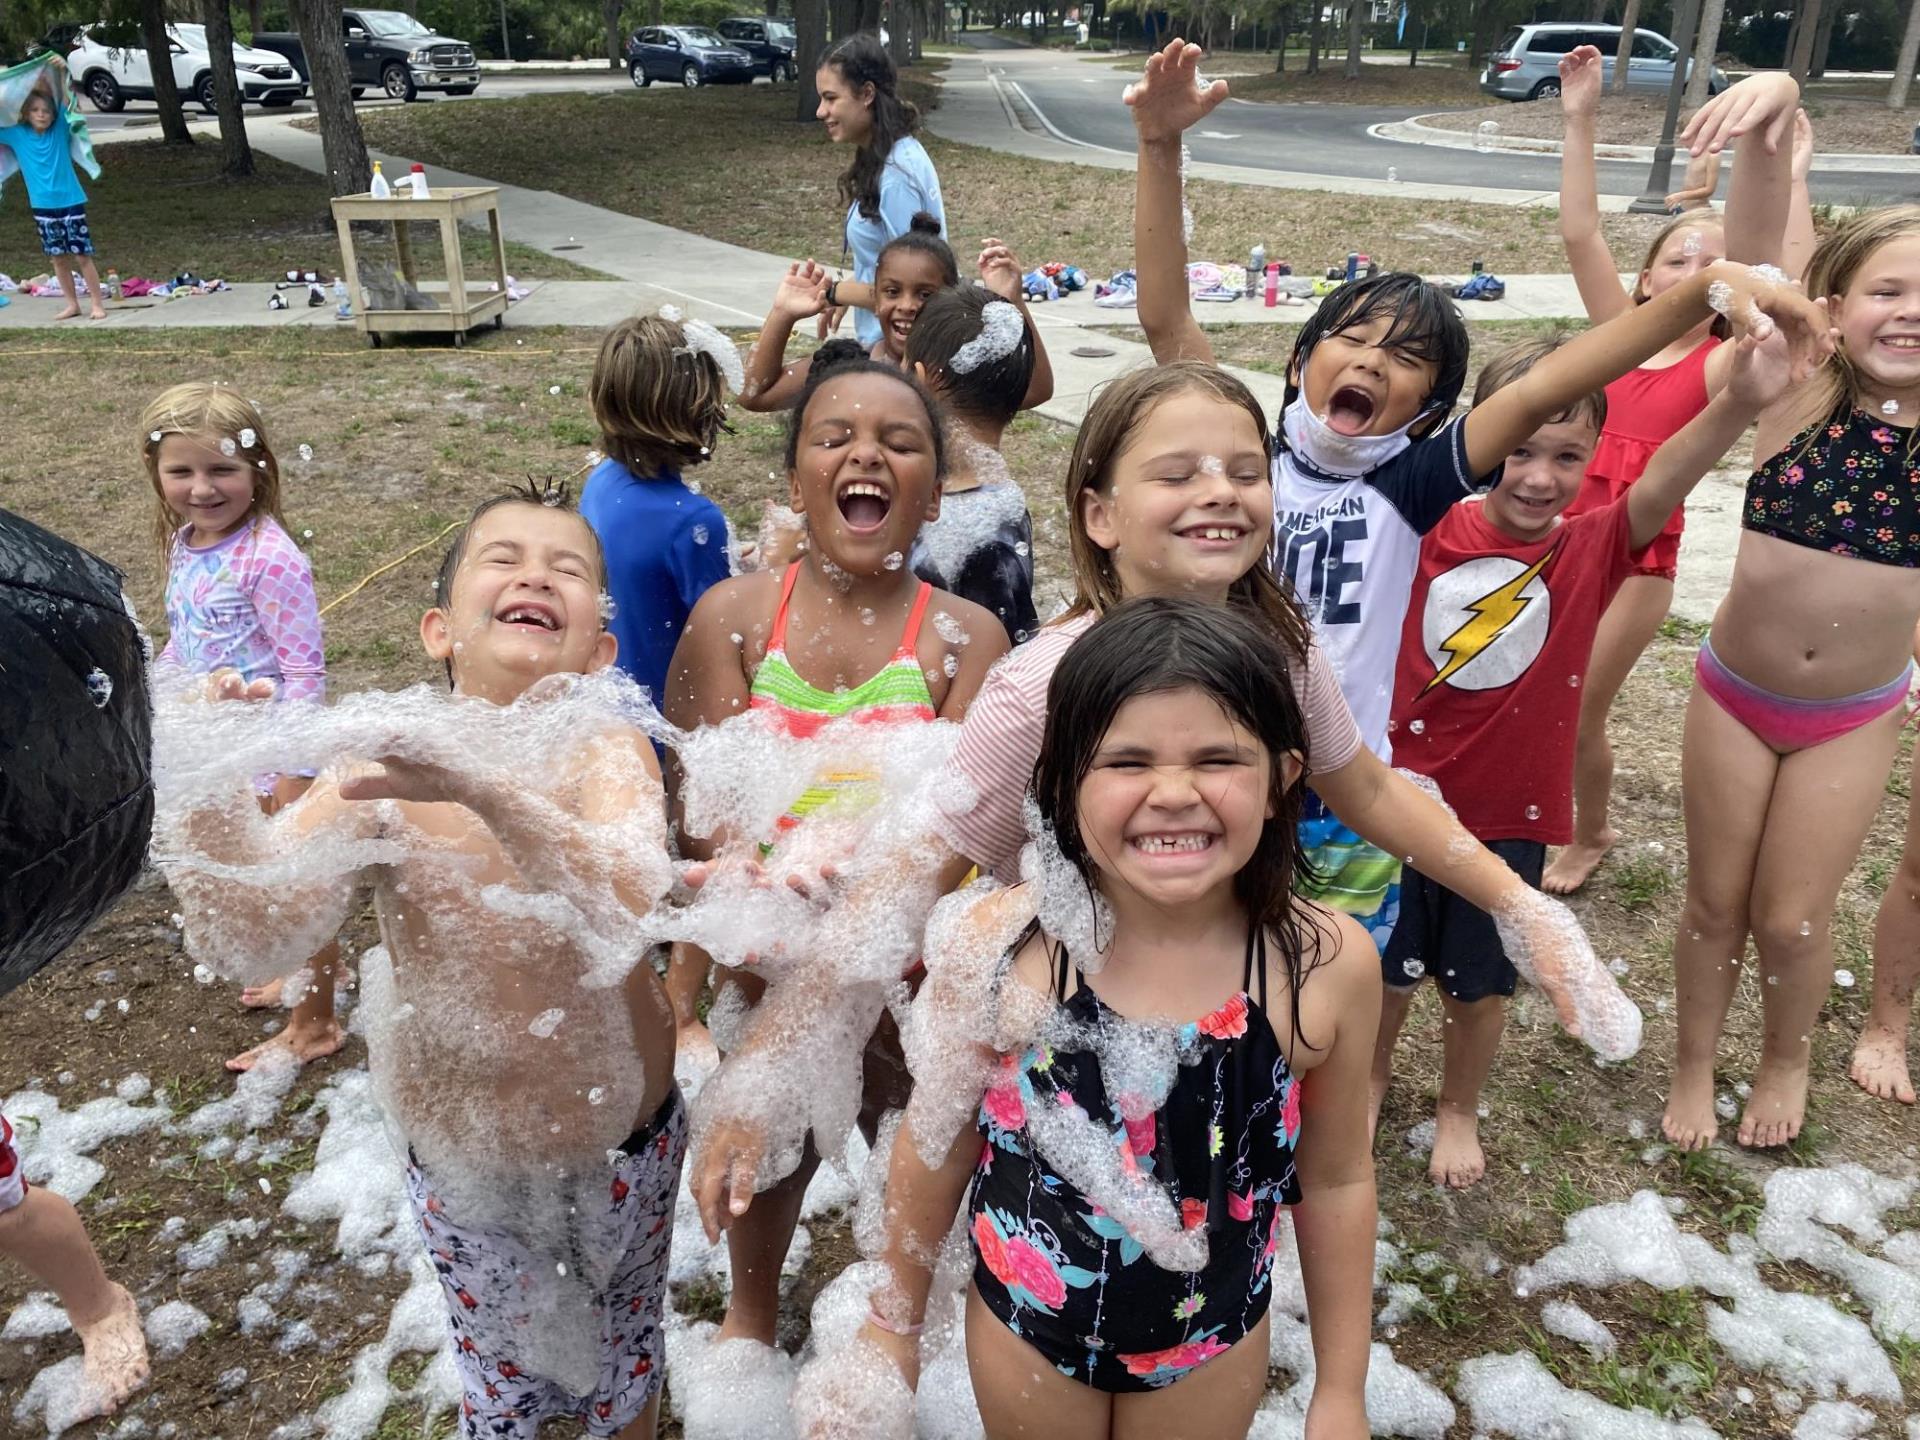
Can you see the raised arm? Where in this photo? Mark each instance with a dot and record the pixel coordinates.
(1335, 1221)
(1595, 359)
(1796, 250)
(1594, 272)
(1166, 101)
(1758, 112)
(1000, 273)
(772, 383)
(1761, 372)
(601, 842)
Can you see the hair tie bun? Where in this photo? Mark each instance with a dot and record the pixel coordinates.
(925, 222)
(834, 354)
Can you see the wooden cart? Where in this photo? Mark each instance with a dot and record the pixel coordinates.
(462, 310)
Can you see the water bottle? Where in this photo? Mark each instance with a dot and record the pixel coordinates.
(1273, 286)
(342, 306)
(1353, 265)
(1256, 267)
(379, 189)
(417, 178)
(113, 284)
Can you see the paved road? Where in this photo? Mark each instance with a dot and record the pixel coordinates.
(141, 114)
(1081, 100)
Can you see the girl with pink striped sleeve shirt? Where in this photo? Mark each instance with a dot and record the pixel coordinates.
(1168, 493)
(239, 597)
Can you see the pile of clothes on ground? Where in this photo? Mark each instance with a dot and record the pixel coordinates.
(134, 286)
(1052, 280)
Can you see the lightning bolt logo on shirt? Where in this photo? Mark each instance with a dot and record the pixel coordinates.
(1471, 607)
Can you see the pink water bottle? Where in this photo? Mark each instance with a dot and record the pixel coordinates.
(1273, 285)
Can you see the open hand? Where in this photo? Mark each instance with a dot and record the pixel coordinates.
(802, 292)
(725, 1165)
(1761, 105)
(421, 781)
(1167, 100)
(1760, 302)
(999, 271)
(1580, 72)
(830, 321)
(230, 684)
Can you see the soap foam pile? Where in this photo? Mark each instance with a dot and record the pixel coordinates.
(210, 835)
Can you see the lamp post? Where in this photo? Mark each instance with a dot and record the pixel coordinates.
(1660, 178)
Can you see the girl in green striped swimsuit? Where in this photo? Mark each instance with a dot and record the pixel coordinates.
(846, 630)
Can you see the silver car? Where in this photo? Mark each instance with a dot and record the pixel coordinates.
(1525, 65)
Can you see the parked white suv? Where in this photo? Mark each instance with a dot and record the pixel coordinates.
(111, 75)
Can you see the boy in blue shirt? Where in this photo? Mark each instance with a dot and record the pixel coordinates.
(42, 150)
(659, 395)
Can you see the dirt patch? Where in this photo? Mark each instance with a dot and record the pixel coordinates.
(1839, 124)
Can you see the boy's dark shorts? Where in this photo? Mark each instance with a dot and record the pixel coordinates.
(1455, 942)
(64, 232)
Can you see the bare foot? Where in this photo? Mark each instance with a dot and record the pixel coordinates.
(116, 1355)
(1458, 1161)
(303, 1043)
(1689, 1120)
(69, 312)
(263, 997)
(97, 313)
(1880, 1064)
(1574, 865)
(1777, 1105)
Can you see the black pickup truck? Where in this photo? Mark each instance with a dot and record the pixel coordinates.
(390, 51)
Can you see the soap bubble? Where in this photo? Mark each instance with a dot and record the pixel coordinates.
(248, 439)
(227, 447)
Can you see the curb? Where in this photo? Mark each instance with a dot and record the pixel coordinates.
(1413, 132)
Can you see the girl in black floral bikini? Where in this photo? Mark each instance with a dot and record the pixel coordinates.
(1126, 1205)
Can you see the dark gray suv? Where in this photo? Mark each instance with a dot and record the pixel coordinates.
(768, 40)
(1525, 65)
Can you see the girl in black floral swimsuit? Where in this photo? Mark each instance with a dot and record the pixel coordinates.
(1128, 1199)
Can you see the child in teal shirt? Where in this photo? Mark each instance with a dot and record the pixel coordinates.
(43, 151)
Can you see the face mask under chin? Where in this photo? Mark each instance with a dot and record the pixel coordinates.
(1318, 446)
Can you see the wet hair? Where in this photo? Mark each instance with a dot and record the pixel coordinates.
(862, 60)
(209, 413)
(1515, 360)
(548, 495)
(840, 358)
(1722, 328)
(922, 237)
(1155, 645)
(1116, 414)
(991, 390)
(1836, 265)
(1423, 323)
(660, 404)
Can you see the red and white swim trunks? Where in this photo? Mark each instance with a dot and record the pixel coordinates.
(13, 1183)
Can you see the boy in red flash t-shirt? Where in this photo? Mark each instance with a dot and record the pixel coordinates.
(1499, 630)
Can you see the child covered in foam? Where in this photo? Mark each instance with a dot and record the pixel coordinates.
(510, 834)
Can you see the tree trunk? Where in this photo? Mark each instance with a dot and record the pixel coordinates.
(349, 172)
(809, 44)
(1623, 57)
(612, 13)
(1712, 12)
(654, 13)
(1285, 20)
(867, 16)
(1313, 36)
(166, 94)
(898, 35)
(1823, 42)
(1356, 18)
(1800, 59)
(1909, 57)
(236, 155)
(254, 26)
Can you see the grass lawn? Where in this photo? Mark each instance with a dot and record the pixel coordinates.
(404, 440)
(1438, 80)
(157, 211)
(732, 163)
